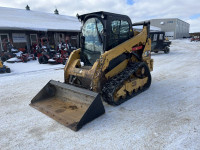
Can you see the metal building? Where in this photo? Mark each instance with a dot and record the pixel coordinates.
(174, 28)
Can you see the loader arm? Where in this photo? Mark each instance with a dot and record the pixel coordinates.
(126, 47)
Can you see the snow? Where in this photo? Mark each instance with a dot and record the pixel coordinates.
(12, 18)
(18, 54)
(14, 50)
(14, 59)
(51, 60)
(166, 116)
(82, 64)
(30, 66)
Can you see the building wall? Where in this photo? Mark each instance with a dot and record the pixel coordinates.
(182, 29)
(22, 39)
(195, 34)
(174, 28)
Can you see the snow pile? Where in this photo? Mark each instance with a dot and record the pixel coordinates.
(12, 18)
(51, 60)
(18, 54)
(14, 59)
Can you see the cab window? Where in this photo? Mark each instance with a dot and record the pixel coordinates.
(119, 33)
(115, 26)
(161, 37)
(124, 29)
(155, 37)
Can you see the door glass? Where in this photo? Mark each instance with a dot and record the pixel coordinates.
(4, 38)
(4, 41)
(119, 34)
(155, 37)
(161, 37)
(124, 29)
(92, 31)
(115, 26)
(33, 39)
(93, 45)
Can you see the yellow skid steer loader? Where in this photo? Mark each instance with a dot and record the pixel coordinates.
(113, 64)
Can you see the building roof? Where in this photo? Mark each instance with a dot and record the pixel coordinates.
(21, 19)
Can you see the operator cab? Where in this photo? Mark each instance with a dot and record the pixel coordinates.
(101, 31)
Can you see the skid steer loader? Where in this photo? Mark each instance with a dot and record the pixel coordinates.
(112, 65)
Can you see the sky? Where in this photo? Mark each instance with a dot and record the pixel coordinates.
(137, 10)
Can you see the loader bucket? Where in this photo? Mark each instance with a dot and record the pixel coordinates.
(69, 105)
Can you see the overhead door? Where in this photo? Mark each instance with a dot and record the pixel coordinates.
(169, 35)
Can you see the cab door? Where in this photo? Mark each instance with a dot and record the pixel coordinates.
(3, 42)
(160, 41)
(119, 32)
(154, 38)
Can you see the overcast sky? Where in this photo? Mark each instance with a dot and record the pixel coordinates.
(137, 10)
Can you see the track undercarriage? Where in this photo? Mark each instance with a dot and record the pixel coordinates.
(135, 79)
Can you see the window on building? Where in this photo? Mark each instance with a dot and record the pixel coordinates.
(20, 41)
(169, 21)
(19, 38)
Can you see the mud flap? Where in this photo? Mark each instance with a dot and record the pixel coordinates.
(69, 105)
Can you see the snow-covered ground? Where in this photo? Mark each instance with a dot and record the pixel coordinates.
(166, 116)
(30, 66)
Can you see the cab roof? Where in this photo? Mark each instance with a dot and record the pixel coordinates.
(100, 13)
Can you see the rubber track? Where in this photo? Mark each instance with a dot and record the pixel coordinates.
(111, 86)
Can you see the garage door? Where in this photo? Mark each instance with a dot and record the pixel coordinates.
(169, 35)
